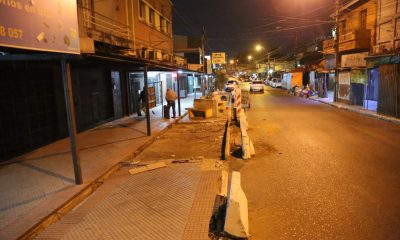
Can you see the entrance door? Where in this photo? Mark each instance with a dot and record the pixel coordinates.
(134, 93)
(117, 98)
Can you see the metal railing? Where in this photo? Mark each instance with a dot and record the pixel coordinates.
(103, 28)
(107, 30)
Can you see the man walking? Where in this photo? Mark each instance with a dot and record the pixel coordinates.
(171, 97)
(142, 102)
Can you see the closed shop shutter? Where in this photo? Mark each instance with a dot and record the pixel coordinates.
(372, 90)
(388, 100)
(357, 94)
(358, 79)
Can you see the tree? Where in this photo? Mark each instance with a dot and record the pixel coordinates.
(220, 79)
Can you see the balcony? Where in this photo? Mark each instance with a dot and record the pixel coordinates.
(102, 34)
(329, 46)
(96, 27)
(355, 40)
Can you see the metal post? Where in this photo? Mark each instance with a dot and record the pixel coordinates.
(295, 51)
(179, 93)
(162, 97)
(69, 104)
(194, 88)
(336, 52)
(146, 88)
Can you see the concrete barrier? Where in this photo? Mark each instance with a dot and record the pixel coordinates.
(243, 121)
(237, 216)
(247, 146)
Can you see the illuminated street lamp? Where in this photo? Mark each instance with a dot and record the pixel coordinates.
(232, 61)
(249, 57)
(259, 47)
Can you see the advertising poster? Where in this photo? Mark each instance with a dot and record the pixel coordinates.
(41, 25)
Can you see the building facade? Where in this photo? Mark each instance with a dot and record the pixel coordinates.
(383, 64)
(356, 34)
(118, 38)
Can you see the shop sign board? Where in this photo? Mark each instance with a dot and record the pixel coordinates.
(42, 25)
(354, 60)
(218, 58)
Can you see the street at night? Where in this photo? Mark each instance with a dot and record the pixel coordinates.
(200, 120)
(320, 172)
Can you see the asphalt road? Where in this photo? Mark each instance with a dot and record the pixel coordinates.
(320, 172)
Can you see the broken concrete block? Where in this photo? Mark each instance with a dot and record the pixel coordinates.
(224, 183)
(148, 167)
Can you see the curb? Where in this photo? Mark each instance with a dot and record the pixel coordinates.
(91, 187)
(226, 142)
(376, 116)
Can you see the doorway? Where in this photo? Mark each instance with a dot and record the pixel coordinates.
(133, 95)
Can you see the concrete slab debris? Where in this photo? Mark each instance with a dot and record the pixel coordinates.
(148, 167)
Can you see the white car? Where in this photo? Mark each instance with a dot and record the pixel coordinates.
(231, 85)
(257, 86)
(276, 82)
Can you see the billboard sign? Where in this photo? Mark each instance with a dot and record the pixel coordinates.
(218, 58)
(41, 25)
(354, 60)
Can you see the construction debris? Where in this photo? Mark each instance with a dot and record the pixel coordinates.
(148, 167)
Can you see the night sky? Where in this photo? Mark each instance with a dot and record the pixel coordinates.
(235, 26)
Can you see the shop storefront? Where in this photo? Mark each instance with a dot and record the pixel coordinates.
(383, 90)
(344, 86)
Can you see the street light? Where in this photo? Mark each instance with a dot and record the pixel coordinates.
(249, 57)
(259, 47)
(232, 61)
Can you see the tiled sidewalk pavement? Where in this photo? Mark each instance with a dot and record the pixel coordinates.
(41, 181)
(153, 205)
(357, 109)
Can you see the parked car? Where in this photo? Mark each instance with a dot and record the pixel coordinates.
(231, 85)
(257, 86)
(276, 82)
(244, 78)
(266, 81)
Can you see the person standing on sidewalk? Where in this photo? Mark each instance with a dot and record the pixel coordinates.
(171, 97)
(142, 102)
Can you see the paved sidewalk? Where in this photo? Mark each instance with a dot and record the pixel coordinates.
(357, 109)
(42, 181)
(174, 202)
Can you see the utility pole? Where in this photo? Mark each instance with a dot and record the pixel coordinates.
(337, 5)
(295, 50)
(203, 56)
(269, 65)
(203, 43)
